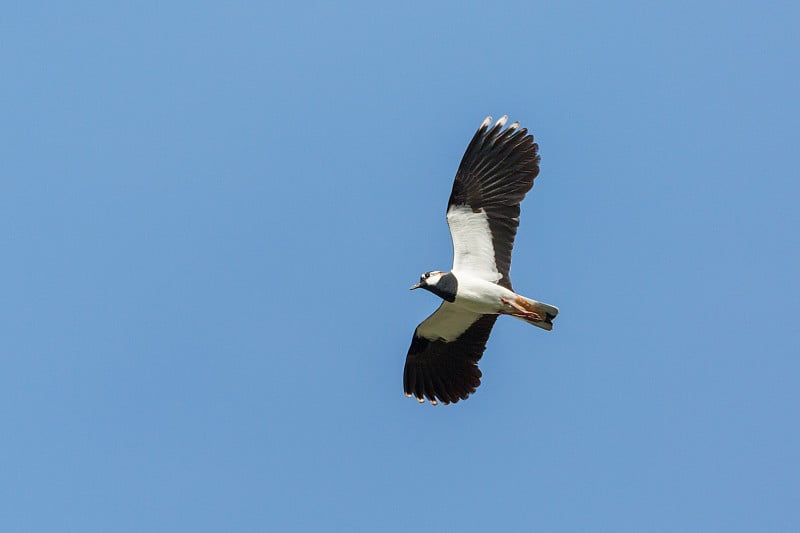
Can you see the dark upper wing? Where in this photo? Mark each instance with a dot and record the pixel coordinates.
(496, 172)
(442, 362)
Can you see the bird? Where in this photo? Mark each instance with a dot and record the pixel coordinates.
(496, 172)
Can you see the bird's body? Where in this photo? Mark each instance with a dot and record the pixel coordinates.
(479, 295)
(496, 172)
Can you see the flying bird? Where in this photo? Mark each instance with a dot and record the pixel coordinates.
(497, 170)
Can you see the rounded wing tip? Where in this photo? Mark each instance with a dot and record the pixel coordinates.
(502, 121)
(486, 121)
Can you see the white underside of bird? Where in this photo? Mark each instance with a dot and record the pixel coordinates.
(487, 298)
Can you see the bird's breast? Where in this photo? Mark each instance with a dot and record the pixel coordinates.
(479, 295)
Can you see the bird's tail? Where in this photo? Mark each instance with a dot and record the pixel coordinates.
(546, 311)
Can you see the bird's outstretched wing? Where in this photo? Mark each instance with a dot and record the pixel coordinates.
(496, 172)
(442, 362)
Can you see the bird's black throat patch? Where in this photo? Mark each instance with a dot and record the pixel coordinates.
(446, 288)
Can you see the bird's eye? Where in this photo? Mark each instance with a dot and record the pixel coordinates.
(427, 275)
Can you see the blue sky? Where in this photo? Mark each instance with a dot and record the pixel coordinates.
(211, 215)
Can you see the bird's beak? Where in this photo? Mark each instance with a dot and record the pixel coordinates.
(416, 286)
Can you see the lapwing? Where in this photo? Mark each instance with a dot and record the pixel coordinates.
(497, 170)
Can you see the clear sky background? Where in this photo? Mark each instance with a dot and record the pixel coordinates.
(211, 214)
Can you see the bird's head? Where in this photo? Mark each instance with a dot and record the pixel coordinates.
(428, 280)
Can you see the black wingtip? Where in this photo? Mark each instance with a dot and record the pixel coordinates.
(446, 372)
(508, 158)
